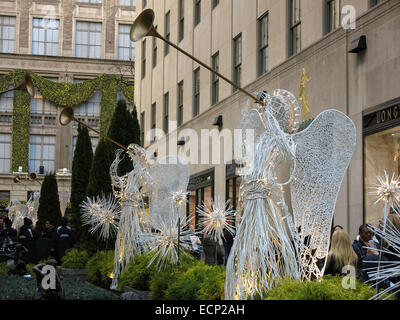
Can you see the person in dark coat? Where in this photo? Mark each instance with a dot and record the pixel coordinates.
(51, 234)
(363, 247)
(11, 232)
(64, 239)
(27, 237)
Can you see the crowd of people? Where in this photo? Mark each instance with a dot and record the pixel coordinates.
(60, 238)
(364, 253)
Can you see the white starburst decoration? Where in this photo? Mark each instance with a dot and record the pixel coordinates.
(390, 269)
(168, 241)
(102, 214)
(387, 190)
(215, 217)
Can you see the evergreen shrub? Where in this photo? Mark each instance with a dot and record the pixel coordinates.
(75, 259)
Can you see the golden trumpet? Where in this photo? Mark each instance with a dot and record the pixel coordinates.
(143, 27)
(26, 85)
(67, 115)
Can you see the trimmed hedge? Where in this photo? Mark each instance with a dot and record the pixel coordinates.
(75, 259)
(99, 267)
(329, 288)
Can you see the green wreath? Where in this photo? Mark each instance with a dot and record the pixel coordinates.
(62, 95)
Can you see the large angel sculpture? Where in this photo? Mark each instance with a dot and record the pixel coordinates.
(129, 190)
(270, 241)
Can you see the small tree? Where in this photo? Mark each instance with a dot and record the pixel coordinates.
(49, 203)
(81, 165)
(124, 128)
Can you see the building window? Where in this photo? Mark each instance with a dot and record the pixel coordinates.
(196, 92)
(215, 79)
(131, 3)
(263, 44)
(90, 108)
(373, 3)
(181, 22)
(214, 3)
(88, 39)
(333, 14)
(42, 108)
(180, 104)
(237, 60)
(142, 128)
(7, 34)
(167, 33)
(5, 152)
(381, 135)
(126, 47)
(41, 153)
(197, 12)
(295, 27)
(201, 191)
(144, 4)
(153, 121)
(165, 113)
(5, 196)
(45, 37)
(90, 1)
(155, 50)
(143, 58)
(7, 102)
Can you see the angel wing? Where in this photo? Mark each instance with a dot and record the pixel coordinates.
(323, 154)
(170, 175)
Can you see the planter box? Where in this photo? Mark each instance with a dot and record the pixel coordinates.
(81, 274)
(134, 294)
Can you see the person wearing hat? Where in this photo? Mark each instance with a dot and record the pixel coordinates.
(27, 237)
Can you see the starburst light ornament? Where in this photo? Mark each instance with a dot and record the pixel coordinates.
(101, 213)
(387, 190)
(216, 216)
(388, 270)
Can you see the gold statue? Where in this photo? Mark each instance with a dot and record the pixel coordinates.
(303, 97)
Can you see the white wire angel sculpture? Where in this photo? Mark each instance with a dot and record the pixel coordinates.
(129, 190)
(16, 213)
(270, 243)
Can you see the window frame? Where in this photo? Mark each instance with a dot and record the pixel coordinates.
(237, 60)
(166, 112)
(196, 92)
(293, 25)
(143, 59)
(3, 25)
(196, 12)
(131, 47)
(262, 66)
(215, 79)
(167, 29)
(47, 27)
(87, 44)
(179, 113)
(181, 20)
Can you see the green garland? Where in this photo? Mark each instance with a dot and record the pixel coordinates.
(63, 95)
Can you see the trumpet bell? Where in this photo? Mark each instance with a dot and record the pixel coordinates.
(143, 26)
(66, 116)
(32, 176)
(16, 179)
(28, 83)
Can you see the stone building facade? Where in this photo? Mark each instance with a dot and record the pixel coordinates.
(64, 41)
(264, 45)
